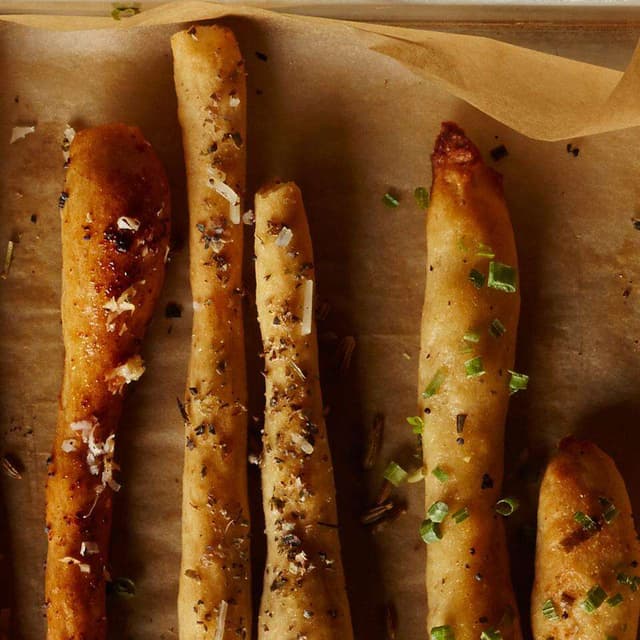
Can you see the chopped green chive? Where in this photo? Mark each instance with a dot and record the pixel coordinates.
(461, 515)
(476, 278)
(491, 634)
(435, 384)
(502, 277)
(471, 336)
(438, 511)
(417, 423)
(442, 633)
(595, 597)
(395, 474)
(390, 201)
(124, 587)
(614, 601)
(485, 251)
(517, 381)
(507, 506)
(474, 367)
(422, 197)
(497, 329)
(430, 531)
(441, 474)
(585, 521)
(549, 610)
(610, 512)
(123, 11)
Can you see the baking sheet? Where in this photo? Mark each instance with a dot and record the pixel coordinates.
(349, 113)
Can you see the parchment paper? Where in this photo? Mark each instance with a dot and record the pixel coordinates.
(349, 111)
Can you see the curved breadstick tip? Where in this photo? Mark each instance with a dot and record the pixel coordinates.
(453, 147)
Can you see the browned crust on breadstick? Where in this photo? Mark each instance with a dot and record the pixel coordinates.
(304, 594)
(454, 148)
(215, 589)
(468, 582)
(115, 229)
(572, 559)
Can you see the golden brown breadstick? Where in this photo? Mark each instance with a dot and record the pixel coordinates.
(469, 326)
(587, 553)
(215, 590)
(115, 230)
(304, 594)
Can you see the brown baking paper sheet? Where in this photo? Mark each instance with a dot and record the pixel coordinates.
(349, 111)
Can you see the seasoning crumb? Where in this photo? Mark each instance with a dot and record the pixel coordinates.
(183, 411)
(346, 348)
(374, 441)
(11, 467)
(34, 218)
(377, 513)
(261, 56)
(573, 150)
(487, 482)
(173, 310)
(636, 223)
(499, 152)
(385, 492)
(391, 620)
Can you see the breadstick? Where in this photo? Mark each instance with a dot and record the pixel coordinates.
(304, 594)
(215, 592)
(115, 230)
(467, 349)
(587, 554)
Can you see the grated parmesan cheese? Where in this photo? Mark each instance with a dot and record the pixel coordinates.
(130, 371)
(284, 237)
(128, 223)
(69, 445)
(234, 101)
(20, 132)
(83, 427)
(84, 568)
(89, 548)
(121, 305)
(67, 139)
(307, 308)
(217, 182)
(303, 443)
(222, 620)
